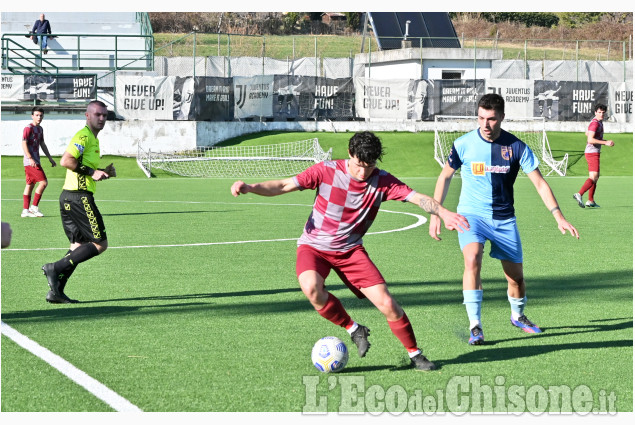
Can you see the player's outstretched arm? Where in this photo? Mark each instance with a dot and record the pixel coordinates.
(452, 220)
(267, 188)
(544, 190)
(440, 191)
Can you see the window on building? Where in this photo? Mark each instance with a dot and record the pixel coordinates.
(450, 75)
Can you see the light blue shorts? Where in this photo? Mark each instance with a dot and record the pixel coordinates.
(502, 234)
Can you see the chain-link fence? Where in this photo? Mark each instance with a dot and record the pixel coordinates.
(306, 62)
(228, 55)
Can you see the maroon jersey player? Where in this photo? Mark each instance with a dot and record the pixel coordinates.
(349, 193)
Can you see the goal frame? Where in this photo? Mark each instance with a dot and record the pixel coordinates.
(463, 124)
(147, 159)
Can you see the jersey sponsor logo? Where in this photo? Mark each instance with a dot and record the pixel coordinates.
(497, 169)
(506, 152)
(478, 168)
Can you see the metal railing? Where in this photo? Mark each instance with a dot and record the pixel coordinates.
(146, 28)
(72, 55)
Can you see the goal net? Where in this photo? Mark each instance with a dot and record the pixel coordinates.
(279, 160)
(529, 130)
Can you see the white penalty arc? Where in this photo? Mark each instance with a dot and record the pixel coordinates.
(421, 220)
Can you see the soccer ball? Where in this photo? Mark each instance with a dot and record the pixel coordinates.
(329, 354)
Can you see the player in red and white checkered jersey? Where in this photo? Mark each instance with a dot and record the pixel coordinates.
(349, 193)
(32, 141)
(595, 140)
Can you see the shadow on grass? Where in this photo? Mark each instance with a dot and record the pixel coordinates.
(164, 212)
(507, 353)
(487, 353)
(271, 301)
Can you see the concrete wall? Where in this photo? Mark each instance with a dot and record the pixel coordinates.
(123, 137)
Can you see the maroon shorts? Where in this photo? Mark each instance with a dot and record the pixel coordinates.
(593, 159)
(34, 174)
(354, 266)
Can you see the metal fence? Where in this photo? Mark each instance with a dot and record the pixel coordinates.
(193, 48)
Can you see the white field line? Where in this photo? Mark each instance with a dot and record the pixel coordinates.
(421, 220)
(93, 386)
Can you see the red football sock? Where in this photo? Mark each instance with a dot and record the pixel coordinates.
(403, 331)
(334, 312)
(36, 199)
(586, 186)
(592, 192)
(26, 201)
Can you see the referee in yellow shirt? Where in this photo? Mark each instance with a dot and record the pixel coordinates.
(81, 219)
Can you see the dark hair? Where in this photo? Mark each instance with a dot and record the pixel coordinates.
(37, 109)
(601, 107)
(96, 102)
(366, 147)
(492, 101)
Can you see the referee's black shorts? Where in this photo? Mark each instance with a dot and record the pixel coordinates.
(81, 218)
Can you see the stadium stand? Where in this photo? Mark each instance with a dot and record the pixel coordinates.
(82, 41)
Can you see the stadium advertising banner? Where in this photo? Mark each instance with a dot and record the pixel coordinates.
(330, 98)
(213, 99)
(568, 100)
(418, 107)
(620, 102)
(12, 87)
(253, 97)
(182, 99)
(286, 96)
(456, 97)
(29, 87)
(518, 95)
(145, 98)
(81, 87)
(381, 98)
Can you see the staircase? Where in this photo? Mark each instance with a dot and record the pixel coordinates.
(82, 41)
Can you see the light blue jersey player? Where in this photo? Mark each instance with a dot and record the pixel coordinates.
(489, 159)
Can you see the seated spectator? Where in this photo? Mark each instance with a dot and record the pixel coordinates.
(41, 27)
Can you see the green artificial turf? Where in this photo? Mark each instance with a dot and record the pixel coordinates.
(195, 306)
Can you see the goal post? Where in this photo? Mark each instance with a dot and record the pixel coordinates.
(278, 160)
(530, 130)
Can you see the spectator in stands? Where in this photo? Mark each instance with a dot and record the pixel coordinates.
(40, 28)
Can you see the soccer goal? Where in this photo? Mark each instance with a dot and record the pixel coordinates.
(279, 160)
(529, 130)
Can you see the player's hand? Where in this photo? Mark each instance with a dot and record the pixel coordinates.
(53, 163)
(99, 175)
(564, 225)
(110, 170)
(32, 163)
(239, 187)
(610, 143)
(435, 227)
(455, 221)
